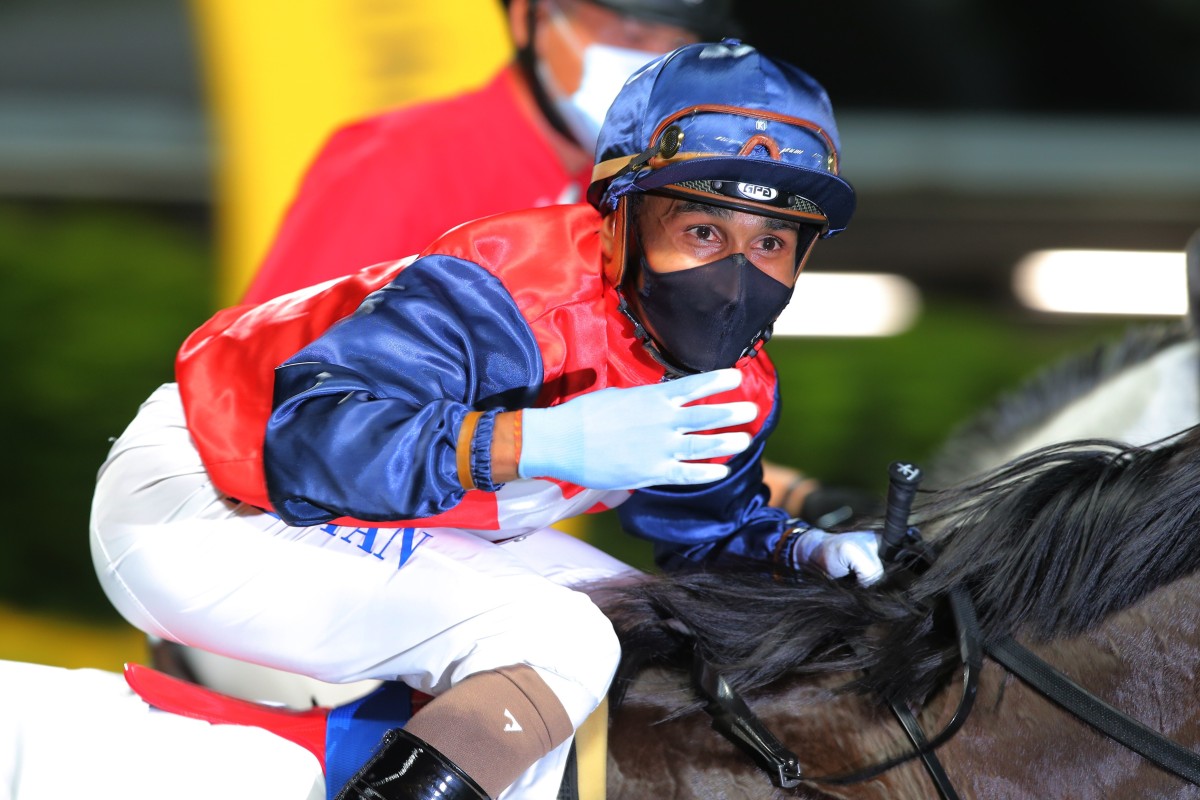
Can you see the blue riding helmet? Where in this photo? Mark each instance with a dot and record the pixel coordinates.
(724, 124)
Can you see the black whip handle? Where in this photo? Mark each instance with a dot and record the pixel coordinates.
(903, 480)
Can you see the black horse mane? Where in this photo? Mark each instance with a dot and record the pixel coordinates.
(1018, 412)
(1047, 545)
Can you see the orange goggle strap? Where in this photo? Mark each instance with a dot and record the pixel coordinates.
(665, 150)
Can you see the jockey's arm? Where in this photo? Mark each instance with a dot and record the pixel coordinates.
(366, 418)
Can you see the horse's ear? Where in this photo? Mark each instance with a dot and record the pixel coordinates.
(1192, 250)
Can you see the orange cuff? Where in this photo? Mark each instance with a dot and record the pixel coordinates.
(462, 450)
(517, 438)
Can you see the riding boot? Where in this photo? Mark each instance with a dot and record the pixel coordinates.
(404, 767)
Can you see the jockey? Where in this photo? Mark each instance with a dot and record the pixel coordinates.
(358, 479)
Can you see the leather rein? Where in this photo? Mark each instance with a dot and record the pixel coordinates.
(735, 720)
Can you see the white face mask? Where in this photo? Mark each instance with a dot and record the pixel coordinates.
(605, 70)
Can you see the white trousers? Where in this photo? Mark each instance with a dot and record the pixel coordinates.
(84, 733)
(425, 606)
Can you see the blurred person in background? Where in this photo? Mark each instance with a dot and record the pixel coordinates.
(386, 186)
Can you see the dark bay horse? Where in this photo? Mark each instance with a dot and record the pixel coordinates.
(1087, 550)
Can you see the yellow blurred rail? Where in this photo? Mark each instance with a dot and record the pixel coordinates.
(42, 638)
(281, 76)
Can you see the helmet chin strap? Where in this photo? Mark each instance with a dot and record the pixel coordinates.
(670, 371)
(627, 273)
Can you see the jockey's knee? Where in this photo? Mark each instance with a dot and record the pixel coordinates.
(576, 651)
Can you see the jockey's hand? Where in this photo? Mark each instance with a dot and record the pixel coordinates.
(839, 554)
(638, 436)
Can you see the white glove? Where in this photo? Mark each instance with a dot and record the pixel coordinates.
(839, 554)
(638, 436)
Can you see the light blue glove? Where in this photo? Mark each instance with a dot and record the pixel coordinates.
(635, 437)
(839, 554)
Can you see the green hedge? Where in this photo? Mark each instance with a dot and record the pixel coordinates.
(94, 301)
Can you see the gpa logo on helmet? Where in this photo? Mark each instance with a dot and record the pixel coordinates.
(751, 191)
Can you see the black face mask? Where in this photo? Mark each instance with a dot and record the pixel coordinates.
(708, 317)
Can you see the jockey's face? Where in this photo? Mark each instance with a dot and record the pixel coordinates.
(704, 282)
(679, 234)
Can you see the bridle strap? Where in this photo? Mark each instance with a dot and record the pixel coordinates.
(968, 633)
(1109, 721)
(970, 652)
(933, 764)
(734, 719)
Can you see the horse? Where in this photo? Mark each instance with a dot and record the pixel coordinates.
(1084, 549)
(1139, 389)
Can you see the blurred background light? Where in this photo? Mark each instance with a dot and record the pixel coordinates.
(850, 304)
(1120, 282)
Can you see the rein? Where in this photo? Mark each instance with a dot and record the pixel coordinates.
(734, 719)
(1110, 721)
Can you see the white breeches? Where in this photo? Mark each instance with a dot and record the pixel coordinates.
(84, 733)
(426, 606)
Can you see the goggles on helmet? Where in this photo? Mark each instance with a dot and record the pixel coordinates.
(724, 124)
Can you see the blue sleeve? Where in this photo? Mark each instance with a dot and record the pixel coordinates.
(366, 418)
(730, 517)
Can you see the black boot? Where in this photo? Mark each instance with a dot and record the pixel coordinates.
(405, 768)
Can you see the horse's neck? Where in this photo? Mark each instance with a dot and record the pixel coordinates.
(1143, 404)
(831, 731)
